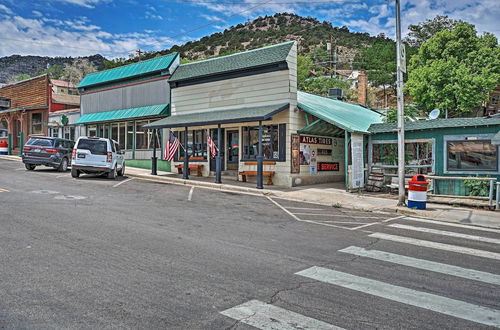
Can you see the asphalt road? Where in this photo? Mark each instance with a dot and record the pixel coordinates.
(98, 253)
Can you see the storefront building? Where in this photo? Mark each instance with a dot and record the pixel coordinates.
(119, 102)
(64, 110)
(454, 147)
(26, 106)
(249, 104)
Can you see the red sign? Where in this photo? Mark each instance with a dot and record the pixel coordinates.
(328, 166)
(315, 140)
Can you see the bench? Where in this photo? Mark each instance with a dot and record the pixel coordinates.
(268, 174)
(197, 167)
(394, 185)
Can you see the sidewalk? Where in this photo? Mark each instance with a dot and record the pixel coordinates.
(326, 195)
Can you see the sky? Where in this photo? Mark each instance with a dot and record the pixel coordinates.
(116, 28)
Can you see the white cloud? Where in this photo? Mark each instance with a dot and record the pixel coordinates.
(151, 15)
(212, 18)
(6, 10)
(83, 3)
(49, 37)
(36, 13)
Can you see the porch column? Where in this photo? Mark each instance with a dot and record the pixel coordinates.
(347, 137)
(218, 164)
(185, 175)
(154, 160)
(260, 161)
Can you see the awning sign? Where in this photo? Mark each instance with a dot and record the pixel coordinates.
(315, 140)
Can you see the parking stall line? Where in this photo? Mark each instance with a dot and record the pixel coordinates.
(190, 195)
(456, 308)
(439, 246)
(447, 233)
(432, 266)
(269, 317)
(122, 182)
(304, 208)
(4, 190)
(450, 224)
(338, 215)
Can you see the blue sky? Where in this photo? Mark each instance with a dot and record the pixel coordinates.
(115, 28)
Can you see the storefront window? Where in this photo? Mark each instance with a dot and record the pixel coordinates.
(92, 130)
(36, 123)
(130, 134)
(143, 137)
(69, 133)
(478, 155)
(122, 135)
(418, 156)
(270, 142)
(114, 131)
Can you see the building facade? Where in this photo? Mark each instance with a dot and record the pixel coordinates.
(26, 106)
(119, 102)
(249, 101)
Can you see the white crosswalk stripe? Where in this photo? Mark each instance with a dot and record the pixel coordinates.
(447, 306)
(436, 245)
(268, 317)
(447, 233)
(450, 224)
(432, 266)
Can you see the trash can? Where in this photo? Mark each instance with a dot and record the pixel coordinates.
(417, 192)
(4, 147)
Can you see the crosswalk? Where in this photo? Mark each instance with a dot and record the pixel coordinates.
(415, 246)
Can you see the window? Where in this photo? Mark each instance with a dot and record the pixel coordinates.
(418, 156)
(130, 135)
(196, 143)
(69, 132)
(36, 123)
(122, 135)
(114, 131)
(495, 99)
(477, 155)
(143, 137)
(40, 142)
(273, 142)
(96, 147)
(92, 130)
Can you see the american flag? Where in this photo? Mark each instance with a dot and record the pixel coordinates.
(171, 147)
(211, 145)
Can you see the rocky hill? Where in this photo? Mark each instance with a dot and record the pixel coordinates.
(12, 66)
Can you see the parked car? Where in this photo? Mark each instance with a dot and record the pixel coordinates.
(48, 151)
(99, 156)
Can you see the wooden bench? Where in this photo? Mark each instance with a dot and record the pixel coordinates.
(268, 174)
(197, 167)
(395, 183)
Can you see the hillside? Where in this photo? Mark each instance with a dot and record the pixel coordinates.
(12, 66)
(311, 35)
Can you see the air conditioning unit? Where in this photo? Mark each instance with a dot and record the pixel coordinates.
(335, 93)
(4, 103)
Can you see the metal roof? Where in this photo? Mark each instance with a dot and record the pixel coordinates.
(233, 115)
(230, 63)
(140, 112)
(435, 123)
(128, 71)
(350, 117)
(322, 128)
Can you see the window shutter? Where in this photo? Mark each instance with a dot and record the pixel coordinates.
(282, 142)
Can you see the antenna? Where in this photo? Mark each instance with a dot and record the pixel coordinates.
(434, 114)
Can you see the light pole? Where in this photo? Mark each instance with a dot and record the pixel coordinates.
(400, 98)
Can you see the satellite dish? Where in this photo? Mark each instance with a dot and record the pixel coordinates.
(434, 114)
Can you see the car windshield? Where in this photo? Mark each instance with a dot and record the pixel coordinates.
(40, 142)
(96, 147)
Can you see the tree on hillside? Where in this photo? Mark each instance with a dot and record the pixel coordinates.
(320, 85)
(455, 70)
(75, 71)
(379, 61)
(304, 66)
(422, 32)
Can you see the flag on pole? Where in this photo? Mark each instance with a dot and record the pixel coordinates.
(171, 147)
(211, 145)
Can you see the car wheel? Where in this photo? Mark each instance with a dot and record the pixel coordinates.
(121, 172)
(29, 167)
(112, 174)
(63, 167)
(75, 173)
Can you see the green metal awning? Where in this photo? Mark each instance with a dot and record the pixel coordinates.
(225, 116)
(122, 114)
(322, 128)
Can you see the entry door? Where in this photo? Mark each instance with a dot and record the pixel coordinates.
(233, 148)
(213, 134)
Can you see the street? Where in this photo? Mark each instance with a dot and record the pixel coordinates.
(129, 253)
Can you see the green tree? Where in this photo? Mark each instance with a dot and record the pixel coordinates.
(455, 70)
(20, 77)
(304, 66)
(320, 85)
(422, 32)
(54, 72)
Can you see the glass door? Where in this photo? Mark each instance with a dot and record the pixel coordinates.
(233, 148)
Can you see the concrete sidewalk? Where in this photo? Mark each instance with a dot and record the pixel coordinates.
(326, 195)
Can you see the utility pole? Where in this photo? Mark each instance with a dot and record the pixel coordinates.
(332, 48)
(139, 53)
(400, 98)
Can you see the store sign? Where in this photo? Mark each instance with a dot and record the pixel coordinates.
(328, 166)
(315, 140)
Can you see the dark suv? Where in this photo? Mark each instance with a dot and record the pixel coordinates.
(48, 151)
